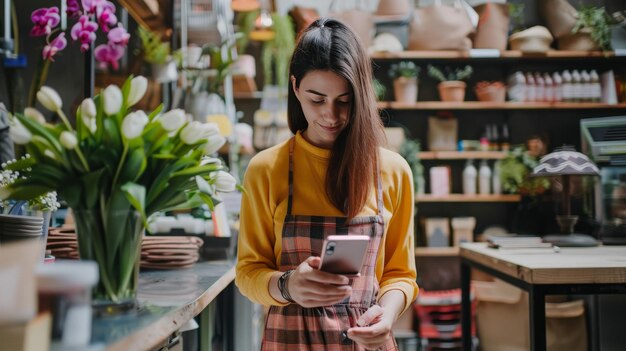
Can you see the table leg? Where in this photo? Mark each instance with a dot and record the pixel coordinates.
(466, 308)
(537, 320)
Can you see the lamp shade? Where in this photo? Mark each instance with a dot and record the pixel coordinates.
(565, 160)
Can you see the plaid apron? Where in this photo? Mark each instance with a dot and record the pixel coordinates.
(293, 327)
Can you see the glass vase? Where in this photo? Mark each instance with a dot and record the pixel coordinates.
(113, 240)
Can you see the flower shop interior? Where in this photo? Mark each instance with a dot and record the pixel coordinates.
(126, 127)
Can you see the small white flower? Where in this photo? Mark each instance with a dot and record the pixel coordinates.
(49, 98)
(68, 140)
(138, 87)
(192, 133)
(224, 182)
(172, 120)
(19, 134)
(112, 98)
(213, 144)
(133, 124)
(34, 114)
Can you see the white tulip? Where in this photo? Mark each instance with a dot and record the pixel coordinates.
(50, 154)
(224, 182)
(211, 129)
(34, 114)
(213, 144)
(49, 98)
(133, 124)
(112, 98)
(88, 109)
(19, 134)
(138, 87)
(192, 133)
(68, 140)
(172, 120)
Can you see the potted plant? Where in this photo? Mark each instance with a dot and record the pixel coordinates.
(451, 86)
(158, 54)
(591, 32)
(404, 75)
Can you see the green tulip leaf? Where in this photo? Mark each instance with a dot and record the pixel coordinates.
(136, 195)
(112, 136)
(134, 166)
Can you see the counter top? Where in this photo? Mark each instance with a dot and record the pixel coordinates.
(568, 265)
(167, 300)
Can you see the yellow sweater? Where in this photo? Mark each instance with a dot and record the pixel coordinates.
(264, 206)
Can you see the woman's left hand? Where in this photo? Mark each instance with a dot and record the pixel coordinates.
(374, 328)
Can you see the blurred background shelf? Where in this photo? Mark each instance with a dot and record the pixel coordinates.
(462, 155)
(481, 105)
(467, 198)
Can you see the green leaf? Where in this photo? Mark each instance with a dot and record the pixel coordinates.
(71, 194)
(193, 171)
(92, 187)
(134, 167)
(38, 129)
(112, 136)
(136, 195)
(28, 192)
(156, 112)
(21, 164)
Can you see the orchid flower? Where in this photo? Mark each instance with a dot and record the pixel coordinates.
(109, 54)
(85, 31)
(73, 9)
(57, 44)
(105, 14)
(44, 19)
(118, 36)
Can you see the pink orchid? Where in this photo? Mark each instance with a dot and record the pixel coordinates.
(44, 19)
(73, 9)
(90, 6)
(85, 31)
(59, 43)
(109, 54)
(118, 36)
(105, 13)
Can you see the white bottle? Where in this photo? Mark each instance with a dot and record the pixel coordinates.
(567, 87)
(577, 86)
(469, 178)
(596, 88)
(585, 82)
(496, 184)
(484, 178)
(558, 87)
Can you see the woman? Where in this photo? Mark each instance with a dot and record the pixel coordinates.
(333, 177)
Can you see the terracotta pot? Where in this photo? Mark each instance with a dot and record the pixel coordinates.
(491, 93)
(452, 91)
(580, 41)
(405, 89)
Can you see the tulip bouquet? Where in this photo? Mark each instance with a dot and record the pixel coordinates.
(114, 169)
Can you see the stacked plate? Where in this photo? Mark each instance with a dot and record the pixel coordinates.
(62, 242)
(166, 252)
(14, 228)
(157, 252)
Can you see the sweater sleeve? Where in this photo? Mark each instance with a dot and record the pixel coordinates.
(399, 271)
(256, 261)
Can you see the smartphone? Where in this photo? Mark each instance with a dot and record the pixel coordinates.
(344, 254)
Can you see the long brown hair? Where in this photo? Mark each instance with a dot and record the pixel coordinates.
(329, 45)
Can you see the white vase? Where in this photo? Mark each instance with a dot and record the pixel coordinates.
(164, 72)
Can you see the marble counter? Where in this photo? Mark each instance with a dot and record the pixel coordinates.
(168, 299)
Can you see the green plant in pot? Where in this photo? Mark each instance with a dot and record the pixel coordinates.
(158, 54)
(594, 23)
(451, 86)
(405, 79)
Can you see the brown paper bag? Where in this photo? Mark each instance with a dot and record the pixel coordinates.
(559, 15)
(360, 21)
(493, 26)
(440, 27)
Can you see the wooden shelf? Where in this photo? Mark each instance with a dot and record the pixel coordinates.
(436, 251)
(481, 105)
(466, 198)
(462, 155)
(556, 54)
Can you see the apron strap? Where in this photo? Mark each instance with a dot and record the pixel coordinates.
(379, 190)
(290, 198)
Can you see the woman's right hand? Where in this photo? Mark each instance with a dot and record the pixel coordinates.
(310, 287)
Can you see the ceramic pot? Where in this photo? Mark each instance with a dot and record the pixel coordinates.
(405, 89)
(452, 91)
(164, 72)
(536, 39)
(580, 41)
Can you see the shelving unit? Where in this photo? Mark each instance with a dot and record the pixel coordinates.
(509, 105)
(461, 155)
(436, 251)
(480, 54)
(467, 198)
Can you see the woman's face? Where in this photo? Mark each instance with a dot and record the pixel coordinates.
(326, 99)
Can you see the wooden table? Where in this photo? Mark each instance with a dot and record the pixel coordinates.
(541, 272)
(168, 299)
